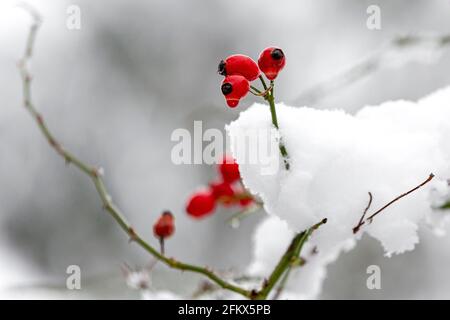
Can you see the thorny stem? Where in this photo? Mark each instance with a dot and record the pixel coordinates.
(283, 283)
(271, 100)
(371, 217)
(96, 177)
(286, 260)
(295, 261)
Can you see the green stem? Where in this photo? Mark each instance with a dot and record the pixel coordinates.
(271, 100)
(255, 89)
(286, 260)
(263, 82)
(283, 283)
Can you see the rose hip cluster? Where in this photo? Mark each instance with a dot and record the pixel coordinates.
(226, 191)
(239, 70)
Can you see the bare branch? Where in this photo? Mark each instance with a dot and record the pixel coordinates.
(95, 175)
(370, 219)
(360, 223)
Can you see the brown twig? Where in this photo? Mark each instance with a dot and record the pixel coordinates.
(360, 223)
(371, 217)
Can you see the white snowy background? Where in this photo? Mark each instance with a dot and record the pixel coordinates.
(115, 90)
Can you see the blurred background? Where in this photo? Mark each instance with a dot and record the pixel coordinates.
(113, 92)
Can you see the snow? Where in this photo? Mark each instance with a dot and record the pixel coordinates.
(336, 159)
(271, 239)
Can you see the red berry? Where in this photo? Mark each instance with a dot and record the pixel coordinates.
(164, 226)
(229, 169)
(245, 202)
(271, 61)
(201, 204)
(223, 192)
(234, 88)
(239, 64)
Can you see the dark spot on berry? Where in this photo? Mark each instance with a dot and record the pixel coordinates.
(221, 69)
(227, 88)
(277, 54)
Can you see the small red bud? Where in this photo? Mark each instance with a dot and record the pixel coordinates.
(271, 61)
(201, 204)
(239, 64)
(164, 226)
(234, 88)
(229, 169)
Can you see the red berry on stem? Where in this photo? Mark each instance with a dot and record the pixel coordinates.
(223, 192)
(271, 61)
(164, 226)
(229, 169)
(239, 64)
(234, 88)
(201, 204)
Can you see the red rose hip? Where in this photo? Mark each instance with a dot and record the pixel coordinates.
(271, 61)
(239, 64)
(201, 204)
(164, 226)
(234, 88)
(229, 169)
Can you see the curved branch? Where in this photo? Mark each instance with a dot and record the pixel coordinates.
(95, 174)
